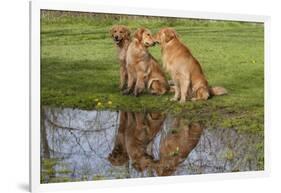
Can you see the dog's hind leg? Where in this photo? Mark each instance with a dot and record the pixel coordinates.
(202, 93)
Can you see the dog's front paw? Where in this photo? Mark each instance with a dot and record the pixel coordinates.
(182, 101)
(122, 87)
(174, 99)
(193, 99)
(136, 93)
(126, 91)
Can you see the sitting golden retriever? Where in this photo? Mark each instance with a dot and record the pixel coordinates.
(185, 70)
(141, 129)
(143, 69)
(121, 36)
(135, 133)
(177, 145)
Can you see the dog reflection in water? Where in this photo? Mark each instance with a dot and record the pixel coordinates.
(119, 155)
(176, 146)
(135, 132)
(142, 128)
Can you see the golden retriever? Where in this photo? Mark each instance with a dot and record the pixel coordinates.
(185, 70)
(143, 69)
(135, 133)
(142, 128)
(177, 145)
(121, 35)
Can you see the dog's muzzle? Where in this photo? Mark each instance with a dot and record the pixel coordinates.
(116, 40)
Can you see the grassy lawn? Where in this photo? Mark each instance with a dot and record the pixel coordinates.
(79, 67)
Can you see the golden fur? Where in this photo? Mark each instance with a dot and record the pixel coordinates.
(119, 155)
(134, 141)
(143, 69)
(184, 68)
(135, 133)
(176, 146)
(142, 128)
(121, 36)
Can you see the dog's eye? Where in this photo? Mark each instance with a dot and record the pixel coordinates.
(148, 34)
(115, 31)
(121, 32)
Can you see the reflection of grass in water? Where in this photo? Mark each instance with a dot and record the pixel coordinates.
(98, 178)
(175, 152)
(49, 174)
(55, 170)
(229, 154)
(79, 64)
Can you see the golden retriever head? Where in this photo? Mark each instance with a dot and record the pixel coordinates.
(144, 36)
(165, 35)
(120, 33)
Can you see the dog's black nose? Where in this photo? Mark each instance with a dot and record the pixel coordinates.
(116, 37)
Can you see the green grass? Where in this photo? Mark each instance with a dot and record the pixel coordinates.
(79, 67)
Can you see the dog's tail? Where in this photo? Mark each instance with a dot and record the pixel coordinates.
(217, 91)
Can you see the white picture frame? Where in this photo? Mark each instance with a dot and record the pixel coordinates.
(36, 6)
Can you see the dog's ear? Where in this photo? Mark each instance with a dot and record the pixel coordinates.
(170, 34)
(127, 32)
(138, 34)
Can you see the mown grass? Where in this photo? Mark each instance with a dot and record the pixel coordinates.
(79, 66)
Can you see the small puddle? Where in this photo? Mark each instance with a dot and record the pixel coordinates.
(79, 145)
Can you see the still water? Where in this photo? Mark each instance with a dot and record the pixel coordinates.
(81, 145)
